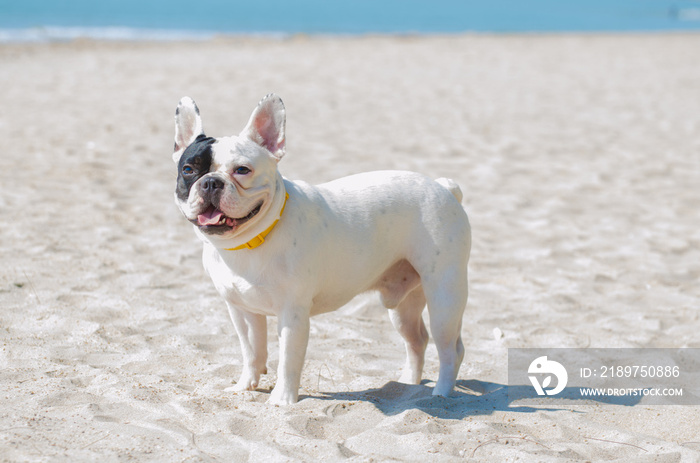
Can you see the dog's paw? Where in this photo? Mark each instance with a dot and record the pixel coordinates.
(410, 377)
(247, 382)
(280, 396)
(442, 390)
(242, 386)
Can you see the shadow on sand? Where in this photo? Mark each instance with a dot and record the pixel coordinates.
(470, 398)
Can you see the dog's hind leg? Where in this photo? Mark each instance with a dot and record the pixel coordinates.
(408, 320)
(400, 291)
(446, 304)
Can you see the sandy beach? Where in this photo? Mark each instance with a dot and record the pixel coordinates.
(579, 159)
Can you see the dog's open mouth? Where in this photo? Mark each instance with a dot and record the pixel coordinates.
(215, 221)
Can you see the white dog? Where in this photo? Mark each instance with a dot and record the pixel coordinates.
(293, 250)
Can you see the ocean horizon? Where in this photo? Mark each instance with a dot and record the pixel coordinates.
(59, 20)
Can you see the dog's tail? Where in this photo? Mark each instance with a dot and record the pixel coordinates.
(452, 186)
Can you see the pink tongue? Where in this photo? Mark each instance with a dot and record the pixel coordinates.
(211, 216)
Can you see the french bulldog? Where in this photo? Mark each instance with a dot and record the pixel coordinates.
(275, 247)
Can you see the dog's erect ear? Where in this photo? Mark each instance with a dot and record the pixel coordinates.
(266, 125)
(188, 125)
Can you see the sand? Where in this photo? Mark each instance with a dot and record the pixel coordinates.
(579, 158)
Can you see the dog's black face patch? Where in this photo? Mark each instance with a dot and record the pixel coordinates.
(194, 163)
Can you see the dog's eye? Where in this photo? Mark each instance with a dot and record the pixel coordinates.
(243, 170)
(187, 170)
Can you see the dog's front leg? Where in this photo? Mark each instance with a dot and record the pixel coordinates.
(293, 331)
(252, 334)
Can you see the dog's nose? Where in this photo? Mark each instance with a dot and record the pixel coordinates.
(211, 184)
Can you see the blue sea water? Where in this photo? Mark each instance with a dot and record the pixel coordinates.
(29, 20)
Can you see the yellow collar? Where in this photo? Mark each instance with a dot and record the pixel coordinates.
(260, 239)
